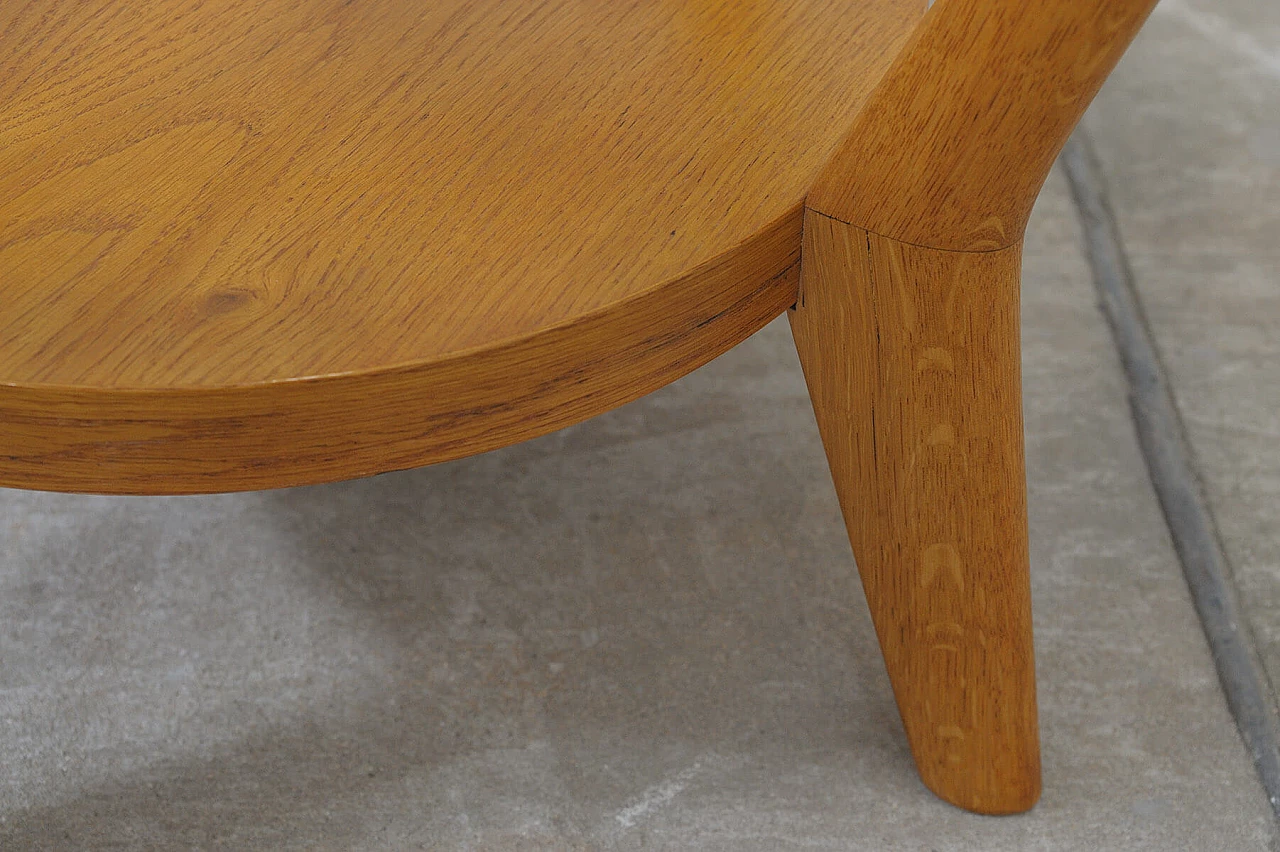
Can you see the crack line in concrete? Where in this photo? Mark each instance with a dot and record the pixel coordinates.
(1174, 475)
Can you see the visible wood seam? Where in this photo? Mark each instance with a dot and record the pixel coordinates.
(953, 145)
(875, 350)
(908, 242)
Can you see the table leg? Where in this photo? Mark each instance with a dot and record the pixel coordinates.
(911, 355)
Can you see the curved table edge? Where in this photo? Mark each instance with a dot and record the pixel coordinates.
(330, 428)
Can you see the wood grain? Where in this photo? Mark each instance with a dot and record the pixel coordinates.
(907, 328)
(199, 440)
(912, 360)
(955, 142)
(252, 244)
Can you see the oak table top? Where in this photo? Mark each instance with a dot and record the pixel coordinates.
(254, 244)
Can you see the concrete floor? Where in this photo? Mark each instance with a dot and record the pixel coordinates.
(645, 631)
(1189, 134)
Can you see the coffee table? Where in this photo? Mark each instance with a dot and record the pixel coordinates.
(250, 244)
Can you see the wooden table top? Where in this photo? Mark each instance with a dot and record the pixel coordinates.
(205, 200)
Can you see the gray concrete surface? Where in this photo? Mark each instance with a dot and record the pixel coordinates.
(642, 632)
(645, 632)
(1189, 135)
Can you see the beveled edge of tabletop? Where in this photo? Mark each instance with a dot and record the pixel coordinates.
(191, 440)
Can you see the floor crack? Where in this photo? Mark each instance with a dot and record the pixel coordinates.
(1174, 475)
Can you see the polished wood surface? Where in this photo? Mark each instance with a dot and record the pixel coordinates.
(256, 243)
(912, 360)
(263, 436)
(908, 332)
(396, 232)
(953, 146)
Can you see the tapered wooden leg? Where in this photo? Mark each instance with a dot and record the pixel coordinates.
(912, 360)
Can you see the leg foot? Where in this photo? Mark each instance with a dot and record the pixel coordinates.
(912, 360)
